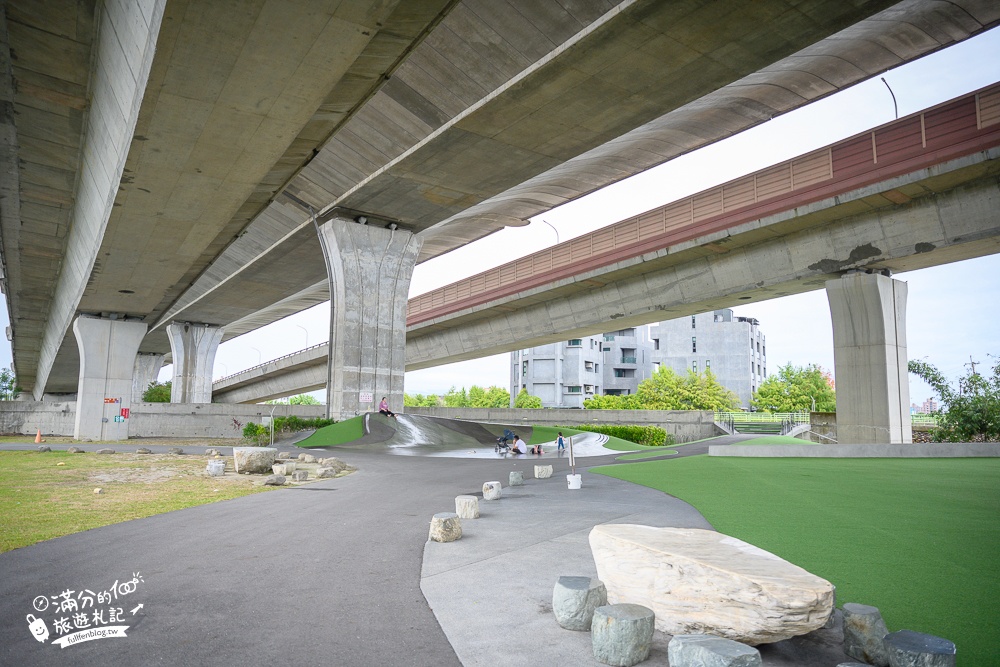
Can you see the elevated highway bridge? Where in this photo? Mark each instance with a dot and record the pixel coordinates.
(179, 173)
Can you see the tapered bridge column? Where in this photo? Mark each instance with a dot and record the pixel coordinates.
(369, 269)
(104, 393)
(147, 369)
(193, 348)
(869, 353)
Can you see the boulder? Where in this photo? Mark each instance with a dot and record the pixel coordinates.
(284, 455)
(543, 472)
(279, 469)
(907, 648)
(574, 600)
(256, 460)
(864, 631)
(212, 452)
(274, 480)
(98, 491)
(709, 651)
(175, 450)
(325, 473)
(703, 582)
(44, 448)
(74, 450)
(335, 463)
(307, 458)
(445, 527)
(491, 491)
(467, 507)
(300, 476)
(516, 478)
(622, 634)
(105, 451)
(143, 450)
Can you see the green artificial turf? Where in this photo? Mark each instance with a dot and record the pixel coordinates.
(647, 454)
(917, 538)
(340, 433)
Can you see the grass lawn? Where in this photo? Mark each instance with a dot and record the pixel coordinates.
(40, 500)
(647, 454)
(340, 433)
(917, 538)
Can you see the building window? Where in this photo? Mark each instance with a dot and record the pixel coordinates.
(694, 367)
(694, 344)
(751, 367)
(573, 389)
(624, 372)
(708, 364)
(692, 322)
(609, 338)
(656, 343)
(524, 368)
(575, 342)
(597, 368)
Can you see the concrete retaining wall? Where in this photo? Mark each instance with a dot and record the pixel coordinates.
(915, 451)
(684, 425)
(149, 420)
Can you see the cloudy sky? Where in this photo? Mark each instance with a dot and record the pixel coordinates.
(951, 310)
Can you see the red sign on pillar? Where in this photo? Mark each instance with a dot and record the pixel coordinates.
(125, 413)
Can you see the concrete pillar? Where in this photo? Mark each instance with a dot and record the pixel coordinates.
(107, 358)
(147, 369)
(369, 269)
(869, 352)
(192, 347)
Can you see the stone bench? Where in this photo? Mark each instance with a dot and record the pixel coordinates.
(574, 600)
(864, 631)
(445, 527)
(622, 634)
(907, 648)
(710, 651)
(467, 507)
(516, 478)
(491, 491)
(543, 472)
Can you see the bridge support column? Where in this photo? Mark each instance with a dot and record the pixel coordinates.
(869, 352)
(192, 347)
(147, 368)
(107, 358)
(369, 270)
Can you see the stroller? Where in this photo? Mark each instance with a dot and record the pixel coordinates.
(503, 442)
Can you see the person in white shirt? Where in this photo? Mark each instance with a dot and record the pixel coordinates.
(518, 447)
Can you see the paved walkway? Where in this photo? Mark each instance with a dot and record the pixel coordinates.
(336, 572)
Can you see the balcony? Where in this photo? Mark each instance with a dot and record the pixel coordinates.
(628, 360)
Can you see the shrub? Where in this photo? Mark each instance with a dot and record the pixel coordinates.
(256, 434)
(650, 436)
(292, 423)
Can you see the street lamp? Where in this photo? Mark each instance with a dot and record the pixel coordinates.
(553, 229)
(260, 357)
(306, 332)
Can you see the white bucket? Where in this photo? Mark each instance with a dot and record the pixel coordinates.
(216, 468)
(574, 481)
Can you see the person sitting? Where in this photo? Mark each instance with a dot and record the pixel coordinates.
(518, 447)
(537, 449)
(383, 408)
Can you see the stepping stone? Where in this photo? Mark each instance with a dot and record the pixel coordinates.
(300, 476)
(622, 634)
(491, 491)
(710, 651)
(307, 458)
(467, 507)
(516, 478)
(325, 473)
(864, 631)
(44, 448)
(543, 472)
(574, 600)
(175, 450)
(907, 648)
(274, 480)
(105, 451)
(143, 450)
(74, 450)
(445, 527)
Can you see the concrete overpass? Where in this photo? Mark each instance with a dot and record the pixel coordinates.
(917, 192)
(162, 159)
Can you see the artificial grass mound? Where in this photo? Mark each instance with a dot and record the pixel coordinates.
(774, 440)
(340, 433)
(917, 538)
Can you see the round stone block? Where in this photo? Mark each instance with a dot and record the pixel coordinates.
(863, 633)
(467, 507)
(907, 648)
(491, 491)
(543, 472)
(574, 600)
(300, 475)
(445, 527)
(516, 478)
(622, 634)
(711, 651)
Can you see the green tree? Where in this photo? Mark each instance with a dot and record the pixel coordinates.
(303, 399)
(8, 384)
(456, 399)
(970, 414)
(524, 400)
(794, 388)
(492, 397)
(157, 392)
(420, 401)
(666, 390)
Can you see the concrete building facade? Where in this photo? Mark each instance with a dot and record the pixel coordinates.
(564, 374)
(732, 347)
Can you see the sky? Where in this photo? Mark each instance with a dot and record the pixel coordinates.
(951, 309)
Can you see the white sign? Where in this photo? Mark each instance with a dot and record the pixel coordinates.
(85, 616)
(366, 397)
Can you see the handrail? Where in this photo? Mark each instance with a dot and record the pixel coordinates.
(271, 361)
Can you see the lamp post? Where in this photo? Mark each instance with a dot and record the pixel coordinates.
(553, 229)
(260, 357)
(306, 332)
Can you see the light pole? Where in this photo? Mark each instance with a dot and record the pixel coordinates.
(260, 357)
(553, 229)
(225, 369)
(306, 332)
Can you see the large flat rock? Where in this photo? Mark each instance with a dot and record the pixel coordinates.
(703, 582)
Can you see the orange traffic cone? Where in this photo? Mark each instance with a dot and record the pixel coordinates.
(38, 437)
